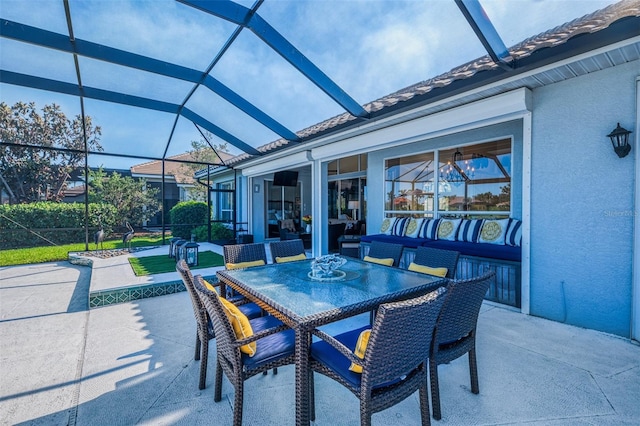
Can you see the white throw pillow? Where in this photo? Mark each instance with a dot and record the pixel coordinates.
(448, 228)
(413, 228)
(387, 225)
(493, 231)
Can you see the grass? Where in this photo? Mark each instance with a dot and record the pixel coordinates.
(151, 265)
(26, 256)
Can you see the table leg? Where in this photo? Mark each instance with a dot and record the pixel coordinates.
(303, 342)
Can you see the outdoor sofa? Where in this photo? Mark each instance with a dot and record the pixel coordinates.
(482, 244)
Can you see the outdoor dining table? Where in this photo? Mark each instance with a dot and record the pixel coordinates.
(291, 292)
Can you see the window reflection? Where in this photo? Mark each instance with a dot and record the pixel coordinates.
(474, 178)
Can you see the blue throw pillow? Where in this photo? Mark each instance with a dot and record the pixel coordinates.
(469, 230)
(429, 229)
(513, 237)
(400, 226)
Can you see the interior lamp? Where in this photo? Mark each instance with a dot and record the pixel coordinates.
(354, 206)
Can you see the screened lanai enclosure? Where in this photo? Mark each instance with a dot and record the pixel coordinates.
(178, 87)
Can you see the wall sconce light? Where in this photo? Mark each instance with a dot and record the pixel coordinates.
(620, 141)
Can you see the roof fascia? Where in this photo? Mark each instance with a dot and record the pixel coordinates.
(240, 15)
(499, 108)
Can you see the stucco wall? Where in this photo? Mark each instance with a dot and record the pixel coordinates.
(582, 201)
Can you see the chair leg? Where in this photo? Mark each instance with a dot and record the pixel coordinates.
(203, 365)
(365, 412)
(473, 371)
(237, 403)
(218, 391)
(196, 357)
(425, 415)
(435, 390)
(312, 398)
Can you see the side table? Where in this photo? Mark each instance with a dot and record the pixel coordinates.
(349, 245)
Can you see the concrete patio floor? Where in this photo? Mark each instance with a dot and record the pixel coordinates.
(132, 363)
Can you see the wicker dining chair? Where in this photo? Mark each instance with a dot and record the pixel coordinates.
(455, 333)
(204, 328)
(438, 258)
(394, 364)
(275, 347)
(241, 253)
(382, 250)
(286, 248)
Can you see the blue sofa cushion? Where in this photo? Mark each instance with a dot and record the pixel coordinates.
(406, 241)
(493, 251)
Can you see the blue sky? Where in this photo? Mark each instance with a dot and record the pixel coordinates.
(370, 48)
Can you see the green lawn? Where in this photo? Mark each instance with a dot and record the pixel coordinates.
(151, 265)
(26, 256)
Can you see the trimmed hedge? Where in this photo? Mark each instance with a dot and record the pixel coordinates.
(31, 225)
(186, 216)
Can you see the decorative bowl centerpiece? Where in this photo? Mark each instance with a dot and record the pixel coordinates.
(325, 267)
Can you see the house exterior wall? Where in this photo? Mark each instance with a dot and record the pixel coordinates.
(582, 201)
(581, 195)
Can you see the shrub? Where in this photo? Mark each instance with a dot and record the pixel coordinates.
(186, 216)
(46, 222)
(201, 233)
(220, 232)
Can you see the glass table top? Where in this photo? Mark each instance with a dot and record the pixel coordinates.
(290, 285)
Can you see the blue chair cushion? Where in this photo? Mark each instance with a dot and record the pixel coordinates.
(272, 347)
(250, 310)
(323, 352)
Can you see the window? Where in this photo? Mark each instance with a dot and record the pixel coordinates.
(347, 187)
(410, 184)
(351, 164)
(222, 202)
(471, 181)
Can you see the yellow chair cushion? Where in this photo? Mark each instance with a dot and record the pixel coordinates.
(209, 286)
(285, 259)
(438, 272)
(239, 321)
(243, 265)
(385, 262)
(361, 347)
(240, 324)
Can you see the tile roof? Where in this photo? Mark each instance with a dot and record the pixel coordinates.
(587, 24)
(172, 168)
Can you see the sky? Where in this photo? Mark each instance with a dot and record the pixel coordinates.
(370, 48)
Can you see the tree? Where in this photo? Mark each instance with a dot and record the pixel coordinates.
(203, 153)
(30, 174)
(134, 199)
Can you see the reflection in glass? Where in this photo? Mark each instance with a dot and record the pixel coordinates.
(475, 178)
(409, 184)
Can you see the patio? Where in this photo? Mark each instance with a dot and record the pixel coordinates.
(132, 363)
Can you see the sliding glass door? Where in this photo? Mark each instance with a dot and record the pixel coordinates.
(283, 202)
